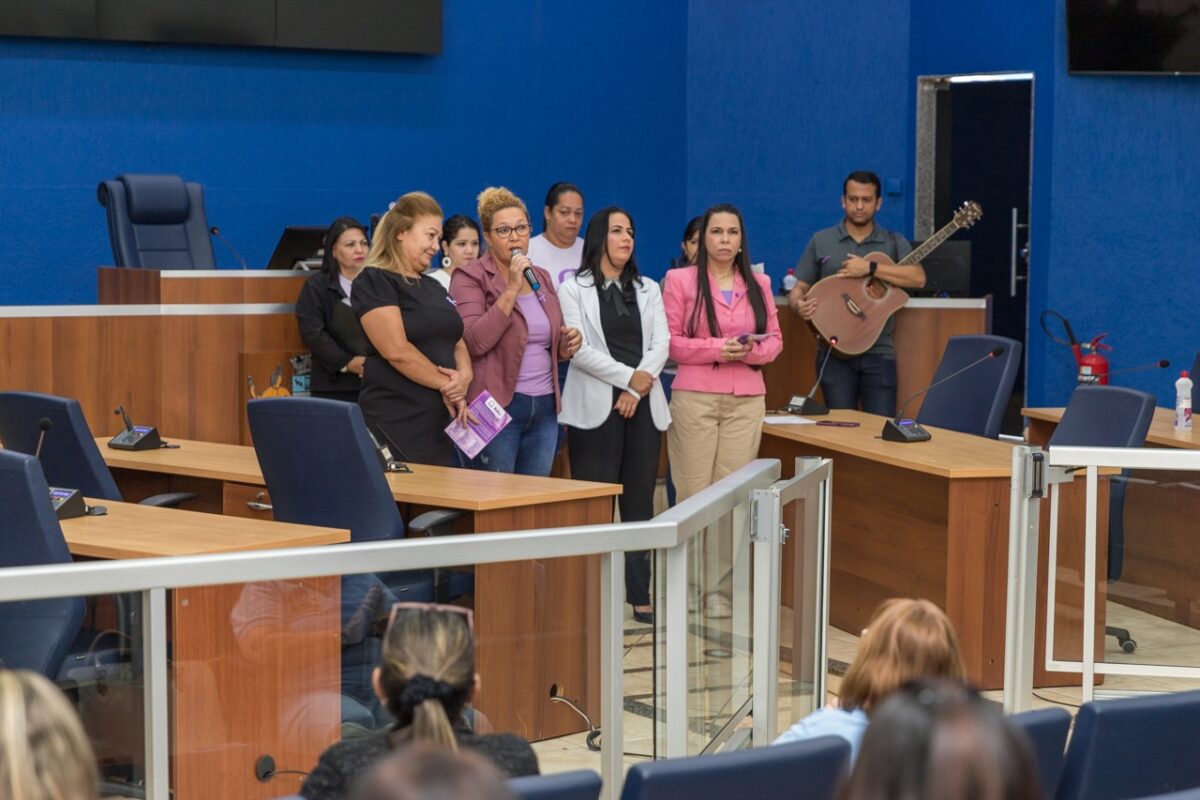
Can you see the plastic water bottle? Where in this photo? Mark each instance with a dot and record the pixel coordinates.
(789, 281)
(1183, 402)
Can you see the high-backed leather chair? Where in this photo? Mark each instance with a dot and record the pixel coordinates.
(976, 400)
(580, 784)
(156, 222)
(1108, 416)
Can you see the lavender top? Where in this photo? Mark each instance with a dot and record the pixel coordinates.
(537, 365)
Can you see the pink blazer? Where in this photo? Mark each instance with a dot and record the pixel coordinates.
(699, 356)
(497, 342)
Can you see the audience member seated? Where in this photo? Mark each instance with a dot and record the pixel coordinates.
(558, 248)
(460, 245)
(905, 640)
(724, 328)
(417, 369)
(44, 754)
(515, 336)
(613, 405)
(426, 678)
(939, 740)
(328, 325)
(424, 772)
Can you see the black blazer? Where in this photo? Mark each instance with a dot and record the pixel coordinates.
(332, 331)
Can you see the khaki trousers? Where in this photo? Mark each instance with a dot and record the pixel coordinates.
(711, 436)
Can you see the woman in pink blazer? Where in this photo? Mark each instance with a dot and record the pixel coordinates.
(724, 327)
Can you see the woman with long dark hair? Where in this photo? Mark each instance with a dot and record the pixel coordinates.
(724, 327)
(460, 245)
(613, 403)
(328, 325)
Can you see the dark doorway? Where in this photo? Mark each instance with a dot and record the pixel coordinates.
(982, 151)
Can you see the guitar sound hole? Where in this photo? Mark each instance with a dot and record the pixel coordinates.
(876, 289)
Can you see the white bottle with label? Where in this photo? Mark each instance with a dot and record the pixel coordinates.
(1183, 402)
(789, 280)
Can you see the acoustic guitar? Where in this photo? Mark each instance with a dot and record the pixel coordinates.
(852, 311)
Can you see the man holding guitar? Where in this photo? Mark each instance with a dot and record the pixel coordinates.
(871, 375)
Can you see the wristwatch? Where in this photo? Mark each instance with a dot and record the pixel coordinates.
(874, 266)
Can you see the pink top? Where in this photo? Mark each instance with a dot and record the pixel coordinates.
(536, 366)
(496, 341)
(699, 357)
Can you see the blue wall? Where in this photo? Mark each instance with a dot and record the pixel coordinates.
(524, 94)
(784, 99)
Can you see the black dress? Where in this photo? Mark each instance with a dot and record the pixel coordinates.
(332, 332)
(410, 416)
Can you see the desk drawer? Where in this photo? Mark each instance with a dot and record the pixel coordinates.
(242, 500)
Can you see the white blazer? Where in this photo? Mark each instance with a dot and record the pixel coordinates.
(587, 397)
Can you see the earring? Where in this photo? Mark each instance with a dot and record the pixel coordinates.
(445, 262)
(739, 249)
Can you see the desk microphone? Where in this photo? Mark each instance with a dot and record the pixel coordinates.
(1163, 364)
(530, 275)
(44, 424)
(806, 405)
(907, 430)
(215, 231)
(135, 437)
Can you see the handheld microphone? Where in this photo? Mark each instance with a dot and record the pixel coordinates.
(215, 231)
(907, 430)
(530, 275)
(44, 424)
(806, 405)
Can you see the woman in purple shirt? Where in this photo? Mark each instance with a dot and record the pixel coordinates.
(515, 336)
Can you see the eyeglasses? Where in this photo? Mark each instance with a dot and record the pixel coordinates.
(426, 607)
(504, 231)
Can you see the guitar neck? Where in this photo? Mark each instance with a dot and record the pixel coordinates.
(930, 244)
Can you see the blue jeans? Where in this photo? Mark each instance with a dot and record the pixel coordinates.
(869, 377)
(526, 446)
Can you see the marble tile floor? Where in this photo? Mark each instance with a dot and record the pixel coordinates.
(1159, 642)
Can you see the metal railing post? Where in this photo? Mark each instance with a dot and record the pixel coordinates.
(675, 675)
(612, 673)
(765, 533)
(155, 694)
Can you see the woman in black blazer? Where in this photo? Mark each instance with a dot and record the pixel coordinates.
(328, 325)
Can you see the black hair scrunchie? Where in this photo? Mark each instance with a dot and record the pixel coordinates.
(421, 688)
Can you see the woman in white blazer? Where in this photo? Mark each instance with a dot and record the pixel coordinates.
(613, 403)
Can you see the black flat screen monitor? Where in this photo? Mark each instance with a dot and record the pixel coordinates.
(947, 270)
(297, 243)
(1153, 37)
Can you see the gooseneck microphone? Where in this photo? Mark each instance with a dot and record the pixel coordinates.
(44, 424)
(120, 411)
(530, 275)
(1162, 364)
(807, 405)
(907, 430)
(215, 231)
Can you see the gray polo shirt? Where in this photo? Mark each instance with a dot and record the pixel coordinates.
(828, 248)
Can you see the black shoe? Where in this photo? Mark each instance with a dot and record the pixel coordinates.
(644, 617)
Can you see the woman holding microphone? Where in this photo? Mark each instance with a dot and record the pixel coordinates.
(724, 327)
(613, 403)
(515, 335)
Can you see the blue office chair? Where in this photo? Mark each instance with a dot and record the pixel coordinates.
(1047, 730)
(810, 770)
(156, 222)
(34, 634)
(1108, 416)
(321, 468)
(1187, 794)
(582, 784)
(69, 455)
(975, 401)
(1133, 747)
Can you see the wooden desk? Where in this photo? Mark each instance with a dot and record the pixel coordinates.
(121, 285)
(1161, 571)
(231, 701)
(928, 519)
(537, 622)
(922, 328)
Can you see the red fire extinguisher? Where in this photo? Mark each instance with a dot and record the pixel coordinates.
(1091, 366)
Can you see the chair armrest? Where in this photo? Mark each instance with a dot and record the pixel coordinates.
(168, 499)
(434, 523)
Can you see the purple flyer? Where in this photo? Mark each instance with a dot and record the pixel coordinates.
(474, 436)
